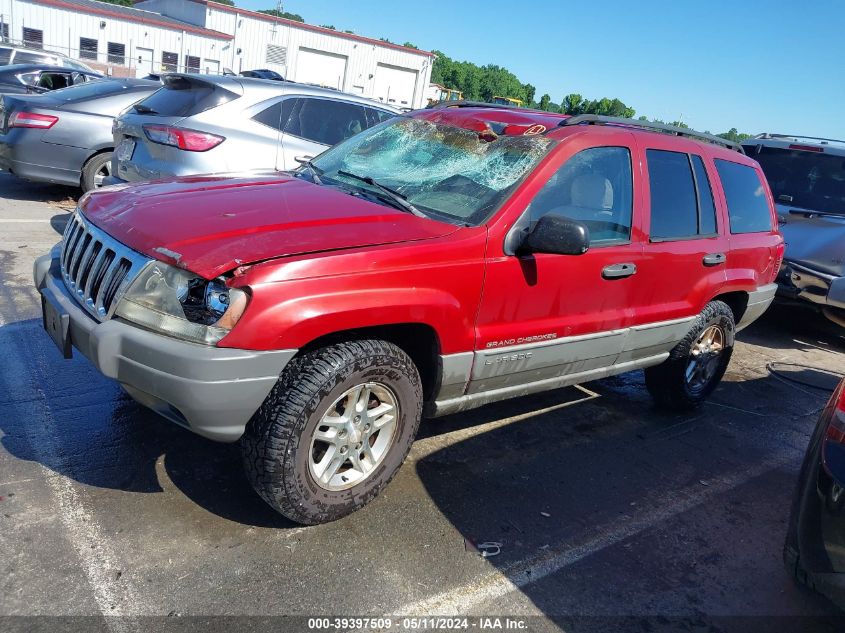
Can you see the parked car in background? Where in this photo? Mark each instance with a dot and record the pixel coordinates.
(814, 552)
(262, 73)
(436, 262)
(66, 136)
(10, 54)
(202, 124)
(37, 78)
(807, 178)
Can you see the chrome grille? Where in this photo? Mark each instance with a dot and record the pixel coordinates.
(97, 268)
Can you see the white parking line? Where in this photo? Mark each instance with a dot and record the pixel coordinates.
(460, 600)
(98, 560)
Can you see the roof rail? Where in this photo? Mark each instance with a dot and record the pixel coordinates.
(597, 119)
(767, 135)
(476, 104)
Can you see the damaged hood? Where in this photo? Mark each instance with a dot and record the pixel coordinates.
(812, 240)
(212, 224)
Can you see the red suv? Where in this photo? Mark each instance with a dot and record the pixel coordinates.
(436, 262)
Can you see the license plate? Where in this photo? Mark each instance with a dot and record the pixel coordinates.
(56, 322)
(125, 149)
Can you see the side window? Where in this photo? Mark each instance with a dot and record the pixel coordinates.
(375, 116)
(594, 187)
(674, 210)
(706, 208)
(748, 206)
(25, 57)
(276, 115)
(326, 121)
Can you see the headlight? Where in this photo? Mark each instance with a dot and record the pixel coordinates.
(179, 303)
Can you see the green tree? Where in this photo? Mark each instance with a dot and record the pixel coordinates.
(545, 100)
(280, 14)
(530, 91)
(328, 26)
(734, 135)
(409, 45)
(128, 3)
(572, 104)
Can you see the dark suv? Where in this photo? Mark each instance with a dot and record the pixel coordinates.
(807, 178)
(433, 263)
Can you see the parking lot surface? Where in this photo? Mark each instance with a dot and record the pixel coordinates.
(604, 506)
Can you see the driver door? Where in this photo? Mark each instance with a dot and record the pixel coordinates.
(547, 315)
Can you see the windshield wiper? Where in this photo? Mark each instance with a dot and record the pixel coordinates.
(140, 108)
(315, 171)
(399, 200)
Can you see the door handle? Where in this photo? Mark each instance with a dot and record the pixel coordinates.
(714, 259)
(618, 271)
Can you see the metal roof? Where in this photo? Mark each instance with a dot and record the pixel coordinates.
(131, 14)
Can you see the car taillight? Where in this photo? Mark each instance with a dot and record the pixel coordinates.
(779, 250)
(189, 140)
(836, 427)
(31, 119)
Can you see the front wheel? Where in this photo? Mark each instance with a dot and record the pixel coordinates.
(696, 364)
(334, 430)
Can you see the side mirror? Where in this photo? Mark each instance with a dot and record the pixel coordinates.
(558, 235)
(303, 159)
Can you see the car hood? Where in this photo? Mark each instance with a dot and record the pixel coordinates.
(814, 241)
(212, 224)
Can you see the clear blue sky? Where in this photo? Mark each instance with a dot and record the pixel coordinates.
(757, 65)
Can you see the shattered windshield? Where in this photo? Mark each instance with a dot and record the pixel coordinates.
(809, 180)
(445, 172)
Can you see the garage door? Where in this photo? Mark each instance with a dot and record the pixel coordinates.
(323, 69)
(395, 85)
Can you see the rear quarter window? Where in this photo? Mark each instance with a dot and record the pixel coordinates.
(748, 207)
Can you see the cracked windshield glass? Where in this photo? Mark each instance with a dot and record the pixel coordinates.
(447, 172)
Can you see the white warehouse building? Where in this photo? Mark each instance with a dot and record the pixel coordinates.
(156, 36)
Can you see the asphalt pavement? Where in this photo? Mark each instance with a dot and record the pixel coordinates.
(611, 515)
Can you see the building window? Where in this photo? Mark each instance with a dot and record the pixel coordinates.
(192, 63)
(117, 53)
(33, 38)
(87, 48)
(4, 32)
(170, 61)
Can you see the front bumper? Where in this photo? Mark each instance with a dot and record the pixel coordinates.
(799, 282)
(213, 391)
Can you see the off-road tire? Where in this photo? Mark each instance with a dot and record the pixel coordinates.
(276, 443)
(667, 382)
(89, 171)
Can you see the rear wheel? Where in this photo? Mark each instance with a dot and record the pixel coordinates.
(696, 364)
(95, 171)
(334, 430)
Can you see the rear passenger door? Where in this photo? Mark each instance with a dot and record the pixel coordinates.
(686, 247)
(315, 124)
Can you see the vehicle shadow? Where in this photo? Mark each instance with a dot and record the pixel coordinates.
(66, 416)
(59, 221)
(613, 515)
(25, 191)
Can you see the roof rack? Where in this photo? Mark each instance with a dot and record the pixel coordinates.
(478, 104)
(797, 137)
(597, 119)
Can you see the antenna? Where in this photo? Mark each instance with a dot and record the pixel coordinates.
(279, 11)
